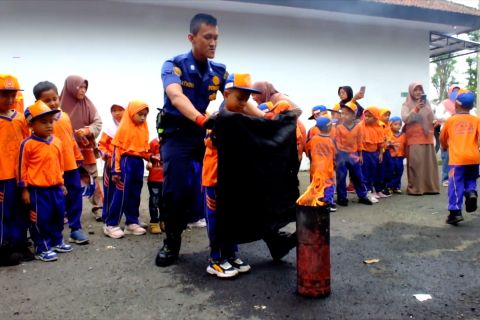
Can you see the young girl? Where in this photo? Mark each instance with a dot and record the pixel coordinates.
(155, 186)
(397, 152)
(130, 148)
(373, 148)
(386, 166)
(106, 147)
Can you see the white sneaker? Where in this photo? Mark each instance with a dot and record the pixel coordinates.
(382, 195)
(134, 229)
(222, 269)
(372, 197)
(202, 223)
(445, 183)
(113, 232)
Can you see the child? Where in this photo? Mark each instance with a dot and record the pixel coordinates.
(317, 111)
(386, 165)
(373, 148)
(13, 129)
(349, 138)
(40, 175)
(460, 136)
(155, 186)
(322, 154)
(62, 129)
(397, 153)
(223, 260)
(130, 148)
(106, 148)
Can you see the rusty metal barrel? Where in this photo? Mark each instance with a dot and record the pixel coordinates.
(313, 251)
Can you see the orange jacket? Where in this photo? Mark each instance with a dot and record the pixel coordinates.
(349, 140)
(460, 135)
(155, 172)
(41, 162)
(322, 153)
(400, 143)
(374, 137)
(63, 130)
(210, 163)
(12, 132)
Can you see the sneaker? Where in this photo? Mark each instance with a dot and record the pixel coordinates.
(333, 207)
(342, 202)
(113, 232)
(372, 197)
(97, 213)
(154, 228)
(240, 265)
(78, 237)
(134, 229)
(382, 195)
(471, 201)
(167, 255)
(202, 223)
(365, 200)
(387, 192)
(454, 217)
(222, 269)
(397, 191)
(62, 247)
(46, 256)
(445, 183)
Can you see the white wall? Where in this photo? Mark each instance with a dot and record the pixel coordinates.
(120, 47)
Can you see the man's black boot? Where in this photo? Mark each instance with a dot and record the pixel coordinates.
(168, 254)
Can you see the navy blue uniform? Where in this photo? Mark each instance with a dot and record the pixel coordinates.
(183, 148)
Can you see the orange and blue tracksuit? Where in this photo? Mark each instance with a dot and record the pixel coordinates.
(373, 144)
(387, 162)
(40, 170)
(397, 154)
(72, 157)
(460, 135)
(106, 148)
(155, 185)
(218, 251)
(13, 224)
(349, 142)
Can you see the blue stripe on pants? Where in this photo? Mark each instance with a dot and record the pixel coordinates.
(47, 209)
(349, 162)
(218, 251)
(126, 199)
(461, 179)
(73, 199)
(13, 227)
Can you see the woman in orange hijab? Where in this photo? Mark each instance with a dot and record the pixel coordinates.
(422, 168)
(131, 146)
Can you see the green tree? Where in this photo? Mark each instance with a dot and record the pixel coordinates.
(443, 76)
(472, 64)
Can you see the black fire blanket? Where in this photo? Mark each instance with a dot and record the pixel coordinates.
(257, 175)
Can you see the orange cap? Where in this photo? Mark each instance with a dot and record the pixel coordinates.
(9, 82)
(38, 109)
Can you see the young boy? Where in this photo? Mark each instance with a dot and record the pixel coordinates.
(460, 136)
(373, 148)
(397, 153)
(322, 164)
(13, 129)
(40, 174)
(155, 185)
(62, 129)
(349, 141)
(386, 165)
(223, 260)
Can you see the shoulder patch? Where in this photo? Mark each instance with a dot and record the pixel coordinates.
(177, 71)
(216, 80)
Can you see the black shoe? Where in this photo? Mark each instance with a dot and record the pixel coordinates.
(387, 192)
(166, 256)
(24, 250)
(9, 257)
(281, 245)
(365, 200)
(332, 207)
(342, 202)
(454, 217)
(471, 201)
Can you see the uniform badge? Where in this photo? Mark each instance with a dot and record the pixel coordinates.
(215, 80)
(177, 71)
(9, 84)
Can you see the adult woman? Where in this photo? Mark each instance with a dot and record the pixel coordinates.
(87, 125)
(422, 170)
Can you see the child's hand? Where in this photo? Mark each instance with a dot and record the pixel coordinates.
(64, 190)
(149, 165)
(25, 196)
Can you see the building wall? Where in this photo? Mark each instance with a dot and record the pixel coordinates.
(120, 47)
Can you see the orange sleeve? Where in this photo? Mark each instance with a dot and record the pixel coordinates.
(444, 135)
(22, 165)
(117, 154)
(210, 164)
(105, 144)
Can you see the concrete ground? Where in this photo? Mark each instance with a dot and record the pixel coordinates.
(117, 279)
